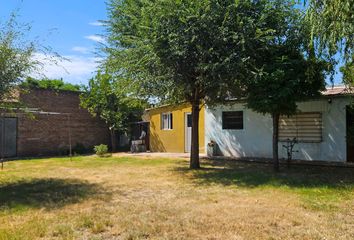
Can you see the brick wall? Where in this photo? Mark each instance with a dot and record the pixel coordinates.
(49, 134)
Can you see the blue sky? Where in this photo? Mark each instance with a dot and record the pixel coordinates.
(70, 27)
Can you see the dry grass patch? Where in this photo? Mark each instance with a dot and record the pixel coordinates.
(144, 198)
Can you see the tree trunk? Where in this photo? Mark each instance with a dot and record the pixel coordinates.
(275, 117)
(194, 161)
(113, 140)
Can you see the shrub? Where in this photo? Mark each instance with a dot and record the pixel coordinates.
(101, 150)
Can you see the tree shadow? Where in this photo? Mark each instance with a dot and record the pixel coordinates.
(48, 193)
(251, 174)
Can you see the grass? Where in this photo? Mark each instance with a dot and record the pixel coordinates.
(155, 198)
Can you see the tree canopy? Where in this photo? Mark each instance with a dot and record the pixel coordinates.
(290, 70)
(332, 25)
(53, 84)
(332, 22)
(109, 100)
(15, 55)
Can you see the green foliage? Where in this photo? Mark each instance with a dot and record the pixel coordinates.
(15, 55)
(332, 26)
(186, 50)
(212, 50)
(290, 71)
(53, 84)
(348, 72)
(108, 99)
(332, 22)
(101, 150)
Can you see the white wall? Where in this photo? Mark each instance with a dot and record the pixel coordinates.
(255, 140)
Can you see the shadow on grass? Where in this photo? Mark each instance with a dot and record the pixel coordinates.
(44, 193)
(245, 174)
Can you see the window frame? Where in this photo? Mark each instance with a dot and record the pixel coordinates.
(169, 121)
(226, 126)
(301, 137)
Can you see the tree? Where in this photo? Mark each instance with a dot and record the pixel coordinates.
(290, 72)
(197, 51)
(53, 84)
(16, 58)
(108, 99)
(16, 55)
(333, 29)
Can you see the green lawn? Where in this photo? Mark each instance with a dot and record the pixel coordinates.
(143, 198)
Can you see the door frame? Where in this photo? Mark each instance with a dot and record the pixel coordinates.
(186, 149)
(2, 140)
(349, 113)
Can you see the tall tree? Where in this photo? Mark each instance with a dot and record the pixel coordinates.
(332, 27)
(109, 100)
(16, 55)
(290, 71)
(197, 51)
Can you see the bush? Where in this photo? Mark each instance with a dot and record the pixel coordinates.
(101, 150)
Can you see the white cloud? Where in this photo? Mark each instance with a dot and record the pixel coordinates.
(76, 69)
(82, 50)
(96, 38)
(96, 24)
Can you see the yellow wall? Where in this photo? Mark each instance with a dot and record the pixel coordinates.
(172, 140)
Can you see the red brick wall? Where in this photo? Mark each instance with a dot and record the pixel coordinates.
(49, 134)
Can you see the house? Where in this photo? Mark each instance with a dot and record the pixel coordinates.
(320, 128)
(171, 128)
(47, 122)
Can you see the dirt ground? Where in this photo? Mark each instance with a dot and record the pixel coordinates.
(159, 198)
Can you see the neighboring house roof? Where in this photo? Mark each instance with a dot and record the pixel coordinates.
(338, 91)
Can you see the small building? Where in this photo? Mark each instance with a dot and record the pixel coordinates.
(47, 122)
(321, 128)
(171, 128)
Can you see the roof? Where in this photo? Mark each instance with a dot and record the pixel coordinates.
(166, 105)
(338, 91)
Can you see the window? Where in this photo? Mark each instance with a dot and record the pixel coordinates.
(189, 120)
(232, 120)
(305, 127)
(166, 121)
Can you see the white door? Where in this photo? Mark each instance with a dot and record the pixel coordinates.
(188, 132)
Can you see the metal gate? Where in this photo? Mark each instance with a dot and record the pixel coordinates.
(8, 137)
